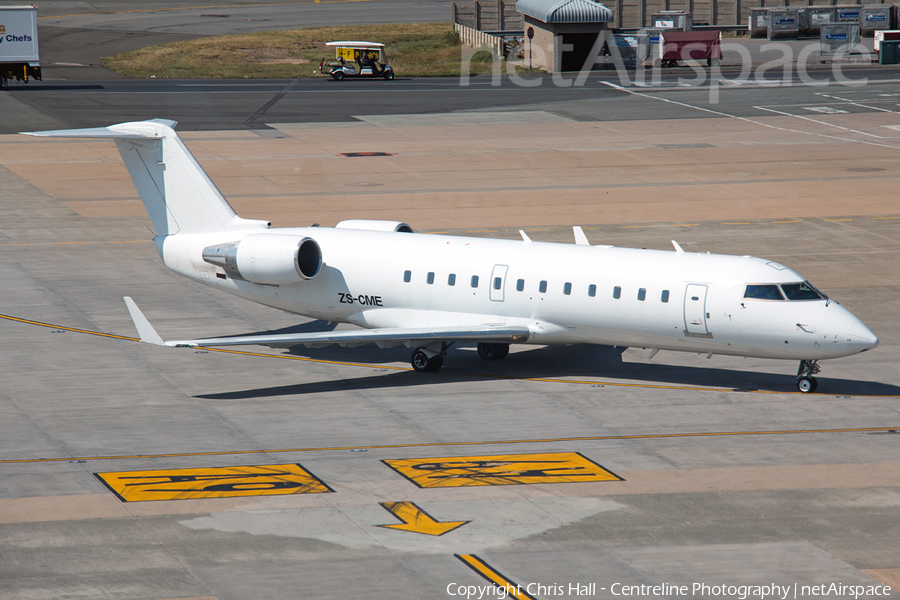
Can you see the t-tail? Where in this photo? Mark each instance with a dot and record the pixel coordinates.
(178, 194)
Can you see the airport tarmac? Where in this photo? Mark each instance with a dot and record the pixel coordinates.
(556, 467)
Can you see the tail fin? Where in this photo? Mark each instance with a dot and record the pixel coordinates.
(178, 195)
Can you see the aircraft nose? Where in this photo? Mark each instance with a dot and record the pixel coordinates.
(861, 337)
(849, 335)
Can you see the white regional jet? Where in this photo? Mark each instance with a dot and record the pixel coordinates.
(430, 291)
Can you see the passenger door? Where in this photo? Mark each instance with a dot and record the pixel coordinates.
(695, 309)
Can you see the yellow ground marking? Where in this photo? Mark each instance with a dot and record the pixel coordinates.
(648, 226)
(787, 221)
(417, 520)
(884, 218)
(488, 572)
(566, 440)
(836, 220)
(72, 329)
(214, 482)
(500, 469)
(595, 382)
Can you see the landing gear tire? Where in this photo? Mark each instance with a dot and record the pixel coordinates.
(807, 385)
(805, 381)
(423, 364)
(338, 75)
(492, 351)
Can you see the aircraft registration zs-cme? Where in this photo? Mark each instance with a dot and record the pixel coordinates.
(430, 291)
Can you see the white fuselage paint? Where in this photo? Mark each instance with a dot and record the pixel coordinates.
(362, 282)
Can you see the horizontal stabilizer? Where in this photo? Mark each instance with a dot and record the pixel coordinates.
(477, 333)
(178, 194)
(123, 131)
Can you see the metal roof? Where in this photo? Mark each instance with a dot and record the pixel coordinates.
(565, 11)
(355, 44)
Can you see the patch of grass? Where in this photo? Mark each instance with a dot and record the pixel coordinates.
(414, 49)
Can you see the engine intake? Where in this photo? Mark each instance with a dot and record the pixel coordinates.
(268, 258)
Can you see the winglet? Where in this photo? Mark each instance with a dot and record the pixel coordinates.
(145, 329)
(525, 237)
(678, 248)
(580, 238)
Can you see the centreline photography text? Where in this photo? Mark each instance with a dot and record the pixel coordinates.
(788, 591)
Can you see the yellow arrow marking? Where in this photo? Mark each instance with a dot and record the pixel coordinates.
(417, 520)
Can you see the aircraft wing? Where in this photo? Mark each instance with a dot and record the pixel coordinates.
(383, 337)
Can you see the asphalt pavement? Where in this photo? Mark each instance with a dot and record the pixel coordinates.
(132, 471)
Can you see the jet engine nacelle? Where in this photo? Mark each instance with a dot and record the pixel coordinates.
(268, 258)
(371, 225)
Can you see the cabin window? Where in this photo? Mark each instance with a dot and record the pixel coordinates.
(474, 281)
(642, 294)
(430, 278)
(617, 292)
(407, 276)
(763, 292)
(498, 283)
(567, 288)
(542, 287)
(801, 291)
(451, 279)
(520, 285)
(592, 290)
(664, 297)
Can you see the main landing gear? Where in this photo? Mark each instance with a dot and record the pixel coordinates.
(492, 351)
(805, 381)
(431, 357)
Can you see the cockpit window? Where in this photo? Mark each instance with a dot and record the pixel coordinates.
(763, 292)
(801, 291)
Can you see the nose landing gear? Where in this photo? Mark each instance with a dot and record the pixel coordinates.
(805, 381)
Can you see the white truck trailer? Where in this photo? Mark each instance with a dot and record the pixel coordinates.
(19, 58)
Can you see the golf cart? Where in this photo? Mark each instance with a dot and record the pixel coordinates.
(357, 59)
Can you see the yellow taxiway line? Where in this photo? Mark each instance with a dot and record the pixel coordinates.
(491, 574)
(600, 383)
(564, 440)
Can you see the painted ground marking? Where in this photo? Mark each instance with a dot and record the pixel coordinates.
(212, 482)
(501, 469)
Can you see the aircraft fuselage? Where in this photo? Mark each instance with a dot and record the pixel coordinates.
(563, 293)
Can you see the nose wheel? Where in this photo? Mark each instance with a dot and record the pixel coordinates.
(805, 381)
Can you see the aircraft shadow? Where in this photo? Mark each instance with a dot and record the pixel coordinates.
(550, 362)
